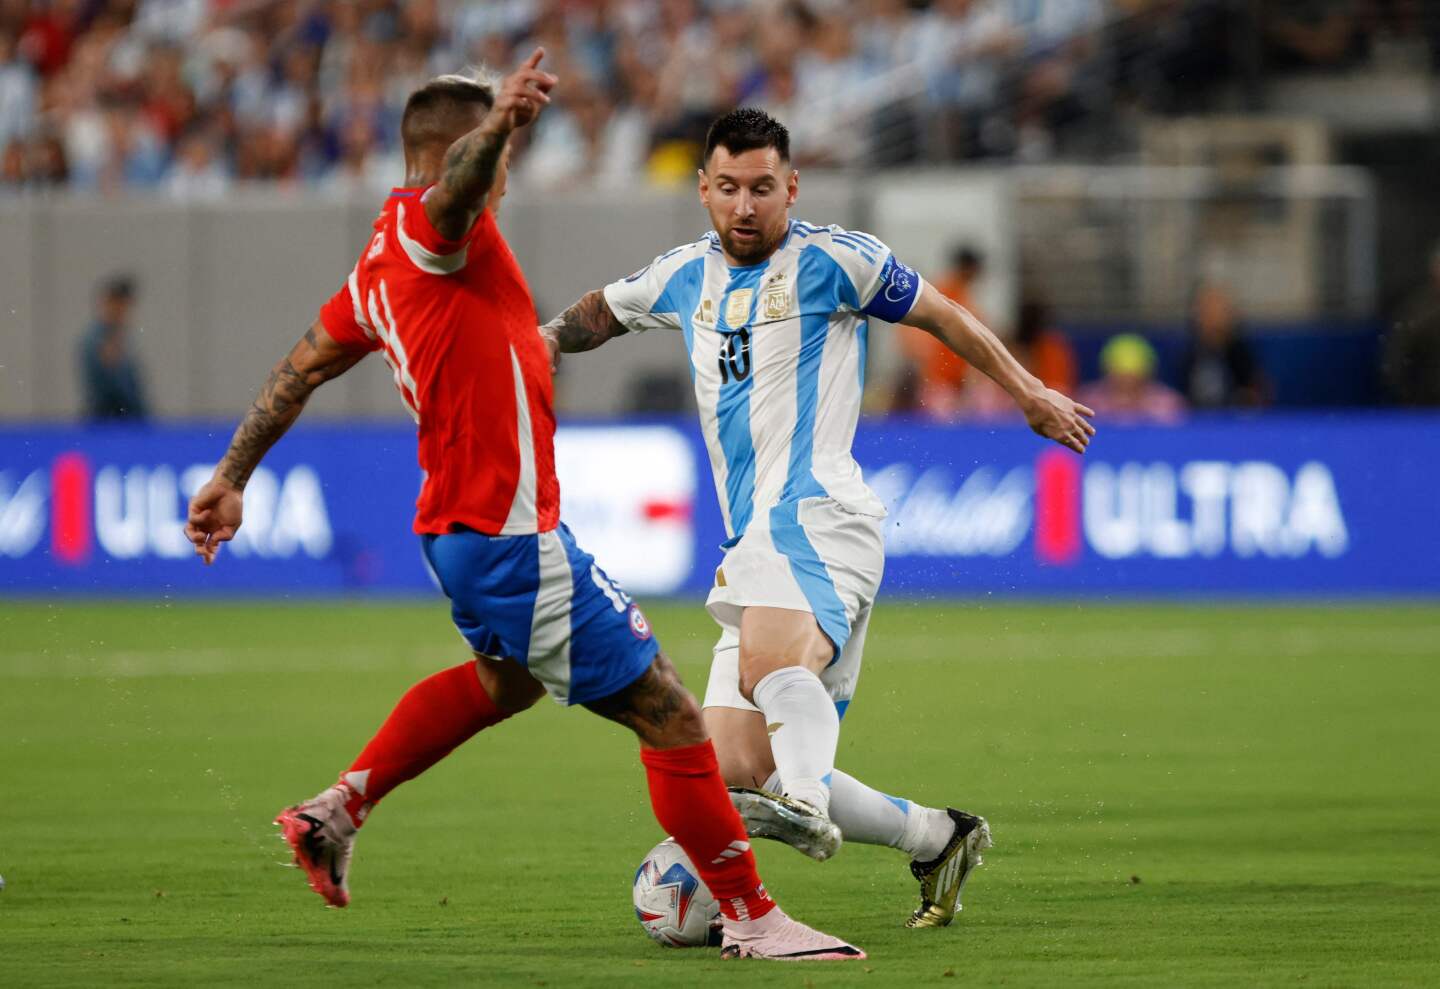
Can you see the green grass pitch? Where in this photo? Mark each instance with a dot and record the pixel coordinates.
(1181, 795)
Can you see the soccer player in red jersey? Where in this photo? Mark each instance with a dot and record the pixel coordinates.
(438, 293)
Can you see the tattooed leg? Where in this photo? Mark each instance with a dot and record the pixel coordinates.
(657, 708)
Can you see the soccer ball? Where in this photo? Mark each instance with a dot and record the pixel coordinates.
(672, 904)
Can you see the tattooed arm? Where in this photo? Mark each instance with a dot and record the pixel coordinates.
(584, 326)
(215, 511)
(473, 161)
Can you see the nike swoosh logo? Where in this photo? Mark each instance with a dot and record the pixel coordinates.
(845, 950)
(773, 728)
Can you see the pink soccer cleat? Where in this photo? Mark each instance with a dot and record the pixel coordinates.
(778, 938)
(322, 836)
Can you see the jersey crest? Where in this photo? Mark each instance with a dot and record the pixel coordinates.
(775, 303)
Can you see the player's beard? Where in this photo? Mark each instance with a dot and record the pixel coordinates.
(751, 252)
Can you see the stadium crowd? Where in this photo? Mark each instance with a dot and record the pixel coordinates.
(188, 97)
(192, 99)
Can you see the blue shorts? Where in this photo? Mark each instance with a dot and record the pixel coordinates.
(542, 600)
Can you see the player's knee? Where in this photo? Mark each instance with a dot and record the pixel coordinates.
(509, 684)
(756, 667)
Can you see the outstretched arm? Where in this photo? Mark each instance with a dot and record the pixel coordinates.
(215, 511)
(584, 326)
(1048, 412)
(473, 161)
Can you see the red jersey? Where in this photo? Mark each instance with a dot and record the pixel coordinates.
(455, 321)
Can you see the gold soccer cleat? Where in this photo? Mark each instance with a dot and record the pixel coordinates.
(942, 878)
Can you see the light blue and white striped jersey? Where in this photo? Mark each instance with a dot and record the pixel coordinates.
(777, 356)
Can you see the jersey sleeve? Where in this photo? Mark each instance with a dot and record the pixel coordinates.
(647, 300)
(344, 321)
(885, 287)
(426, 249)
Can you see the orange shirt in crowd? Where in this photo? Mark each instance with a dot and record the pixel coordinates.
(940, 369)
(1052, 360)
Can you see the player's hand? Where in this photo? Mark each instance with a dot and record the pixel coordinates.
(215, 514)
(1062, 419)
(524, 92)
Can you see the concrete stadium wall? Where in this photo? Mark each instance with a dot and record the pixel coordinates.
(226, 289)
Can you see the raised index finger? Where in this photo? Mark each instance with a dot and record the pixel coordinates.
(534, 59)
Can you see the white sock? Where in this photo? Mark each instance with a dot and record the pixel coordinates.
(804, 730)
(869, 817)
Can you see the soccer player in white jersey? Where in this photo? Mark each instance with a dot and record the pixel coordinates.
(774, 317)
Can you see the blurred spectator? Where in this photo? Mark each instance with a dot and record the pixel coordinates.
(832, 82)
(1055, 68)
(1219, 370)
(112, 146)
(935, 375)
(587, 138)
(702, 62)
(169, 105)
(1040, 348)
(1043, 349)
(1412, 348)
(1171, 54)
(111, 375)
(12, 165)
(1128, 391)
(360, 170)
(1312, 33)
(18, 94)
(48, 33)
(773, 82)
(38, 163)
(197, 173)
(170, 20)
(962, 48)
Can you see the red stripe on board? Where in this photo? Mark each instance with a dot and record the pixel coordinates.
(1057, 507)
(664, 511)
(70, 511)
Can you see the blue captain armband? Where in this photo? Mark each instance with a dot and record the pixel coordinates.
(899, 287)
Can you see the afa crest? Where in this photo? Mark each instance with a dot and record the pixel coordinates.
(775, 303)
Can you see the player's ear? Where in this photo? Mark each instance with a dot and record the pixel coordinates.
(704, 189)
(792, 187)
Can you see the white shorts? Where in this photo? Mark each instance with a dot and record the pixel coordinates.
(810, 556)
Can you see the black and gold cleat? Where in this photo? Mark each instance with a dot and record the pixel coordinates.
(796, 823)
(942, 878)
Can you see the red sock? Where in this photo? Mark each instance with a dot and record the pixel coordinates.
(436, 715)
(691, 803)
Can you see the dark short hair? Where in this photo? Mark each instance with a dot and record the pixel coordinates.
(746, 129)
(119, 286)
(965, 256)
(431, 111)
